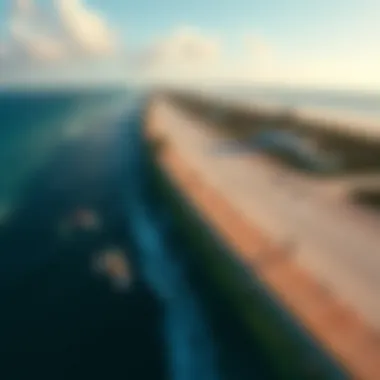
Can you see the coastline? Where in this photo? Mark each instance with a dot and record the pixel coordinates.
(337, 120)
(340, 330)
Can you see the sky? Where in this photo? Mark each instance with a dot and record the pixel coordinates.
(325, 43)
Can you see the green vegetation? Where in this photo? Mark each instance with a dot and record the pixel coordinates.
(358, 154)
(369, 199)
(289, 348)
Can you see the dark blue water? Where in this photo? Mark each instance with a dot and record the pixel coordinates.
(58, 319)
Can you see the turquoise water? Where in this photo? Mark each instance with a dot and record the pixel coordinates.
(34, 125)
(64, 152)
(58, 318)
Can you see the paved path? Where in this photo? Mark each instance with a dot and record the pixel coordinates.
(337, 243)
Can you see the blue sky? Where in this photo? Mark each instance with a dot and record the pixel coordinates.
(288, 23)
(335, 39)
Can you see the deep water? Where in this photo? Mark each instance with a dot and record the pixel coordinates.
(62, 152)
(57, 319)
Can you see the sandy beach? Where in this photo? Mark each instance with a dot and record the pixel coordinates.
(328, 317)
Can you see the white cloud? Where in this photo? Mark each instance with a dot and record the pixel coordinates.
(184, 54)
(189, 55)
(28, 37)
(3, 50)
(79, 32)
(23, 6)
(185, 46)
(84, 29)
(72, 32)
(257, 48)
(47, 49)
(190, 45)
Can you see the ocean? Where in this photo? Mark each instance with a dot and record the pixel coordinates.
(67, 158)
(58, 319)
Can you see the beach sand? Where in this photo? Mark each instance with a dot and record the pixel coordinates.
(338, 328)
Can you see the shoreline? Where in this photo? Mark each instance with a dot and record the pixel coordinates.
(338, 120)
(342, 333)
